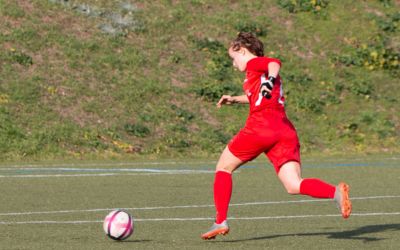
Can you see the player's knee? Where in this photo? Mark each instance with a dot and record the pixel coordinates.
(225, 169)
(292, 190)
(229, 168)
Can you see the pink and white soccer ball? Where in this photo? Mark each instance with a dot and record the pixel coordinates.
(118, 225)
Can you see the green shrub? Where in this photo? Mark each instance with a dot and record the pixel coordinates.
(361, 88)
(207, 44)
(390, 23)
(378, 57)
(220, 66)
(301, 80)
(253, 27)
(93, 139)
(213, 91)
(313, 104)
(368, 118)
(386, 3)
(138, 130)
(294, 6)
(300, 88)
(179, 143)
(219, 71)
(213, 140)
(10, 134)
(11, 9)
(20, 58)
(374, 56)
(179, 128)
(183, 114)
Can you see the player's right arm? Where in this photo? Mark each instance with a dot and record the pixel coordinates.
(227, 99)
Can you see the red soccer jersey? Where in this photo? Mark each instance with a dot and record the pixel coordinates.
(267, 128)
(256, 70)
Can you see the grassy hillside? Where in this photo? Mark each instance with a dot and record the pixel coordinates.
(121, 79)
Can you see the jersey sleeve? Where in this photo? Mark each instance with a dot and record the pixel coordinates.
(260, 64)
(270, 60)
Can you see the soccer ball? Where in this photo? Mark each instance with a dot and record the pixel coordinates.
(118, 225)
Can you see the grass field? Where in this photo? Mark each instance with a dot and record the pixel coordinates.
(119, 81)
(62, 205)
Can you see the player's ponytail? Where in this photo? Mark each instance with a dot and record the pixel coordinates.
(249, 41)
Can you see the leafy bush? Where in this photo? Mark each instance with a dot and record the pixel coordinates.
(20, 57)
(220, 66)
(94, 139)
(386, 3)
(179, 143)
(331, 92)
(368, 117)
(219, 70)
(361, 88)
(138, 130)
(374, 56)
(378, 124)
(10, 133)
(313, 104)
(214, 90)
(4, 99)
(183, 114)
(213, 140)
(207, 44)
(390, 23)
(253, 27)
(303, 97)
(302, 80)
(294, 6)
(11, 9)
(384, 128)
(378, 57)
(179, 128)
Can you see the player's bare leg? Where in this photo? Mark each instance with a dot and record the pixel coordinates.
(227, 163)
(290, 176)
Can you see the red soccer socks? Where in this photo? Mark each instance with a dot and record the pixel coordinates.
(222, 194)
(317, 188)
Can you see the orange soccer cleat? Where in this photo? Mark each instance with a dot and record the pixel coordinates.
(215, 230)
(343, 200)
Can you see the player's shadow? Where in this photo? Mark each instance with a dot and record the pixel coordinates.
(356, 234)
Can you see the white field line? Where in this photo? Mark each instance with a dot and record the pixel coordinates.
(192, 206)
(146, 170)
(152, 172)
(109, 164)
(205, 219)
(155, 163)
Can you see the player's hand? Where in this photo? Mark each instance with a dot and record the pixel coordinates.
(266, 87)
(225, 99)
(265, 91)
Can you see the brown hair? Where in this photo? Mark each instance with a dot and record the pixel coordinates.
(249, 41)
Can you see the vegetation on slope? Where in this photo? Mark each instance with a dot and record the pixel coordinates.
(118, 79)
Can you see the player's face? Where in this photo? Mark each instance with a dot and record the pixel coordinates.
(239, 60)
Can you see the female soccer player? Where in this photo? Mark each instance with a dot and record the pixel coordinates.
(267, 130)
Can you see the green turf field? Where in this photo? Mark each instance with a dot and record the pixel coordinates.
(61, 206)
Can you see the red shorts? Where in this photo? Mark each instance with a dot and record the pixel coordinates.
(273, 135)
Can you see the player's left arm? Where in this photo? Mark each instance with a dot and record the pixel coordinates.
(273, 71)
